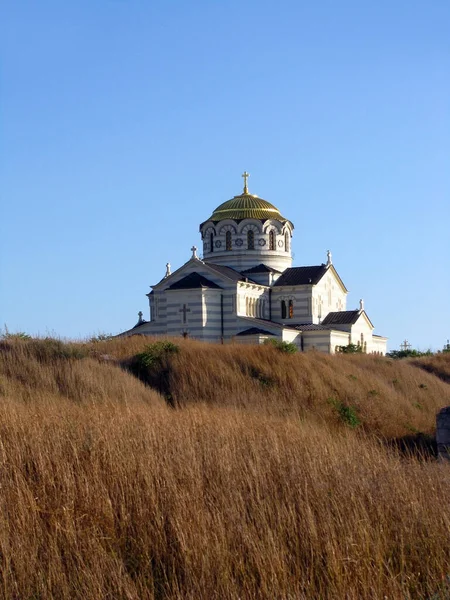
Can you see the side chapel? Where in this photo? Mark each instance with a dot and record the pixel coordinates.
(245, 290)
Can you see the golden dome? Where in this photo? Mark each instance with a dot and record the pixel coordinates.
(246, 206)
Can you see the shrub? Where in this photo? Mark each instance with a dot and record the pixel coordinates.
(152, 367)
(154, 354)
(350, 349)
(346, 412)
(408, 353)
(287, 347)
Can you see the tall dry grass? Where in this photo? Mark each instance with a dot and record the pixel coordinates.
(392, 398)
(105, 492)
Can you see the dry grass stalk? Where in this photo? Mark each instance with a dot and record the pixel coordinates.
(251, 490)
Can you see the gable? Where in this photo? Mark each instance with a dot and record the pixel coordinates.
(308, 276)
(194, 281)
(217, 274)
(338, 279)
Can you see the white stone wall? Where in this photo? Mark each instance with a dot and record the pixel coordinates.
(317, 340)
(361, 334)
(252, 300)
(290, 335)
(240, 257)
(311, 303)
(301, 298)
(257, 338)
(338, 338)
(327, 296)
(379, 345)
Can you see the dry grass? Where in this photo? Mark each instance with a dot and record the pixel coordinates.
(392, 398)
(248, 491)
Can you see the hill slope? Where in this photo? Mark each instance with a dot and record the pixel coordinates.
(261, 485)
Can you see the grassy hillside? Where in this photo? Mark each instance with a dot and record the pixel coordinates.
(247, 473)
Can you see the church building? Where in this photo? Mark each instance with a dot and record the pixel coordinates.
(245, 290)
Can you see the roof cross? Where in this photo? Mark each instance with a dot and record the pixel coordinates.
(405, 345)
(245, 175)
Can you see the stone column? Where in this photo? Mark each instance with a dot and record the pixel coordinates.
(443, 434)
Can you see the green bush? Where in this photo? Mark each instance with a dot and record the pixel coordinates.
(153, 368)
(154, 354)
(350, 349)
(408, 353)
(346, 412)
(287, 347)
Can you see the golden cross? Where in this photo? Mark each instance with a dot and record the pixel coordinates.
(245, 175)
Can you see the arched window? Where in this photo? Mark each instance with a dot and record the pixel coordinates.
(291, 309)
(228, 240)
(283, 309)
(272, 240)
(286, 241)
(250, 240)
(211, 242)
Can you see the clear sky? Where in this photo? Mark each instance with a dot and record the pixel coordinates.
(124, 123)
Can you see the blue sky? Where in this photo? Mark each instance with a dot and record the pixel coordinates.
(124, 123)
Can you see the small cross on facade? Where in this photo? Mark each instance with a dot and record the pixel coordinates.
(405, 345)
(245, 175)
(194, 252)
(184, 310)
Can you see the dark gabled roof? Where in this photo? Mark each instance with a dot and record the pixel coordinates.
(301, 276)
(193, 280)
(262, 268)
(255, 331)
(311, 327)
(227, 272)
(344, 317)
(266, 323)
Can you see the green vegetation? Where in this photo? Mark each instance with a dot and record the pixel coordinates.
(350, 349)
(154, 354)
(286, 347)
(346, 412)
(408, 353)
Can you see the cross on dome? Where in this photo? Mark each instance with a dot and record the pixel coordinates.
(245, 175)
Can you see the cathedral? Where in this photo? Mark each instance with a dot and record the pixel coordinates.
(245, 290)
